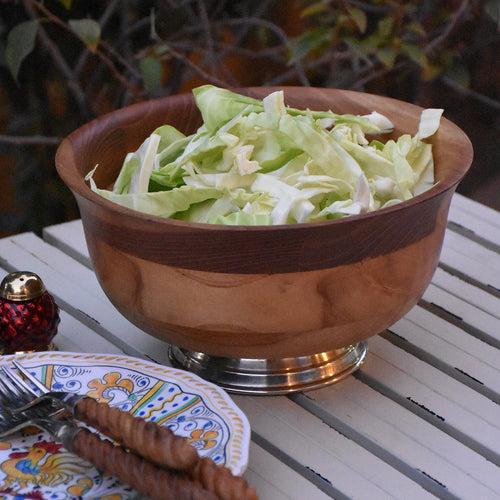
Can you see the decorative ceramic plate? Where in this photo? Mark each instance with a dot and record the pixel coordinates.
(34, 466)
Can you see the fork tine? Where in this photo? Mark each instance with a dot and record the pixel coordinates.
(19, 383)
(6, 396)
(30, 377)
(17, 393)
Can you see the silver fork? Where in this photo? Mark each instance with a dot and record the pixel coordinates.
(142, 475)
(45, 419)
(27, 397)
(157, 444)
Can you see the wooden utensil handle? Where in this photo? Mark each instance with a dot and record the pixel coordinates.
(155, 443)
(138, 473)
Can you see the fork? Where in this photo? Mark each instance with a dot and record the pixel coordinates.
(140, 474)
(145, 438)
(155, 443)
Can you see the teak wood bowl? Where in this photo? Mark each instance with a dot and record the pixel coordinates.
(262, 292)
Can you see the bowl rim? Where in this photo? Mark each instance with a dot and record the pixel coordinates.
(73, 179)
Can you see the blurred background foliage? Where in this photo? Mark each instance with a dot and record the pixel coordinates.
(64, 62)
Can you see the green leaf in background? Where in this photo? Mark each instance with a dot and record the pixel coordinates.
(384, 27)
(416, 54)
(417, 28)
(315, 8)
(66, 3)
(151, 70)
(88, 31)
(20, 43)
(306, 43)
(387, 56)
(359, 17)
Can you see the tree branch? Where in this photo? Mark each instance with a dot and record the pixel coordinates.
(197, 69)
(209, 39)
(30, 140)
(376, 74)
(106, 15)
(433, 44)
(60, 62)
(105, 59)
(299, 70)
(488, 101)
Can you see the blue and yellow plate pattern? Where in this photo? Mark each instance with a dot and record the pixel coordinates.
(33, 466)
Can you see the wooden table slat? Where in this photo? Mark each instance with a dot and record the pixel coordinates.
(93, 309)
(437, 397)
(274, 480)
(461, 289)
(479, 271)
(479, 211)
(469, 314)
(421, 418)
(454, 336)
(350, 469)
(384, 426)
(457, 363)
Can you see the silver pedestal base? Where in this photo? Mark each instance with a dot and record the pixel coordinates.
(272, 376)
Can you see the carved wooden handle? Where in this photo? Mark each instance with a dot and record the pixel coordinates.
(219, 480)
(162, 447)
(138, 473)
(155, 443)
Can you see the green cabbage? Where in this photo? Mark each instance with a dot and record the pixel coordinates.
(259, 162)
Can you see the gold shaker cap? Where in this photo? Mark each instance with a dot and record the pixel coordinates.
(21, 286)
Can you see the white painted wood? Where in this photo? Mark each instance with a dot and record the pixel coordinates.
(472, 249)
(407, 437)
(325, 451)
(454, 336)
(69, 237)
(463, 290)
(452, 355)
(469, 313)
(74, 336)
(478, 227)
(479, 211)
(274, 480)
(77, 296)
(466, 413)
(480, 271)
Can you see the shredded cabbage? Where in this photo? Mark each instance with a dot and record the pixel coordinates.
(258, 162)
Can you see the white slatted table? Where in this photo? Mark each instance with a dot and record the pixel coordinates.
(421, 419)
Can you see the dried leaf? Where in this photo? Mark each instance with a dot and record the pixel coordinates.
(20, 43)
(359, 17)
(88, 31)
(151, 70)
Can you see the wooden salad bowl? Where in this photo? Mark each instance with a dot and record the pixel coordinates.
(261, 292)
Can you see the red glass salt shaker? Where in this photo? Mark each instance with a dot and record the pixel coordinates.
(29, 316)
